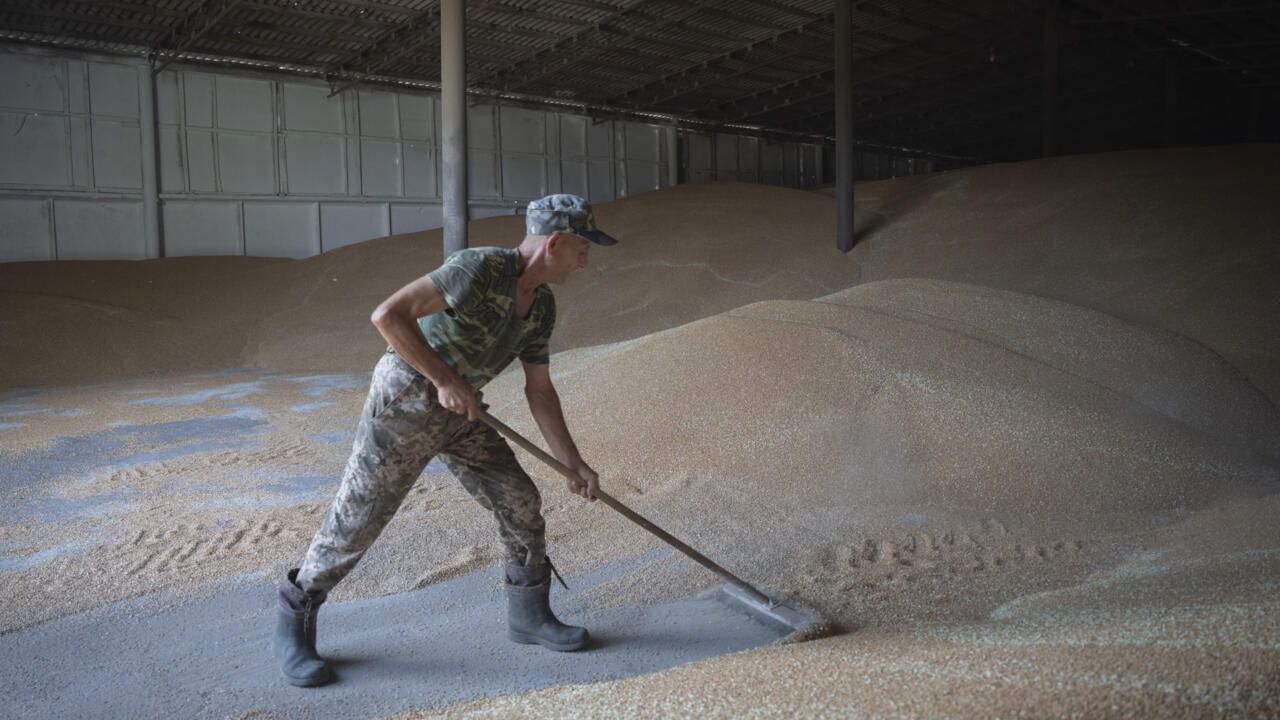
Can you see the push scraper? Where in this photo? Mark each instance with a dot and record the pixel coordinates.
(796, 621)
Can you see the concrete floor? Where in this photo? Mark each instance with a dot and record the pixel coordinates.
(112, 451)
(427, 648)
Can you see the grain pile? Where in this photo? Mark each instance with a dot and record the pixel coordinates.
(822, 425)
(690, 252)
(1032, 457)
(1184, 239)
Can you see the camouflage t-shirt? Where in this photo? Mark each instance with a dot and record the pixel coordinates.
(480, 333)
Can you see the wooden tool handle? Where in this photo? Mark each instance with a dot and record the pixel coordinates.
(614, 503)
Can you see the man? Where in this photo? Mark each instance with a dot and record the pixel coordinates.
(449, 333)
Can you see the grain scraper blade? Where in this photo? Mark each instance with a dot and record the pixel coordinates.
(796, 621)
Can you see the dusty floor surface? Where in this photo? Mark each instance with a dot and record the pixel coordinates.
(445, 643)
(1022, 445)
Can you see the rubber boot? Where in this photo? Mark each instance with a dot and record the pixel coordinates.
(529, 617)
(295, 638)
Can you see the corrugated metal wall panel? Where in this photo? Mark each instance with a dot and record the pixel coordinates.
(274, 166)
(99, 229)
(281, 229)
(202, 228)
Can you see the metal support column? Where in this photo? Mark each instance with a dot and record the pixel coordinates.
(844, 125)
(1050, 140)
(151, 225)
(453, 117)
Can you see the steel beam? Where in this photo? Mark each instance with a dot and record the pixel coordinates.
(453, 117)
(658, 89)
(844, 124)
(152, 227)
(932, 46)
(540, 57)
(376, 56)
(1214, 10)
(951, 87)
(189, 31)
(536, 66)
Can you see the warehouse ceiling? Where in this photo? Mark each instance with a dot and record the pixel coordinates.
(958, 78)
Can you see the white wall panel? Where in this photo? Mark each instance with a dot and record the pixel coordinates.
(201, 168)
(172, 154)
(415, 218)
(523, 130)
(380, 167)
(641, 152)
(113, 90)
(35, 83)
(524, 176)
(480, 128)
(99, 229)
(244, 104)
(77, 90)
(309, 107)
(771, 163)
(273, 160)
(726, 157)
(349, 223)
(482, 174)
(748, 158)
(246, 163)
(33, 149)
(599, 181)
(316, 164)
(808, 166)
(416, 118)
(551, 136)
(281, 229)
(573, 178)
(642, 177)
(573, 136)
(378, 115)
(643, 142)
(700, 167)
(26, 232)
(117, 154)
(882, 166)
(420, 173)
(202, 228)
(168, 98)
(172, 151)
(81, 162)
(197, 99)
(790, 165)
(352, 145)
(600, 139)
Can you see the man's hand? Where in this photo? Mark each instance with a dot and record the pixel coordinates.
(589, 483)
(455, 394)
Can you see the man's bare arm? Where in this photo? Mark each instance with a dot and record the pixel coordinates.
(544, 404)
(397, 319)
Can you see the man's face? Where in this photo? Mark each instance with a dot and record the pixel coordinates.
(566, 252)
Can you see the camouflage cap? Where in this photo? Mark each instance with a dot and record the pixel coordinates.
(564, 212)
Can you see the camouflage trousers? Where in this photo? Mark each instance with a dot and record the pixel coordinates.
(401, 428)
